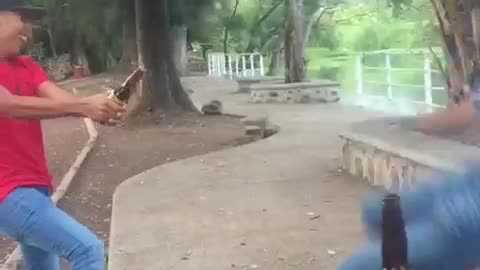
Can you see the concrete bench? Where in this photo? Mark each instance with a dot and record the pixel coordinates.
(396, 159)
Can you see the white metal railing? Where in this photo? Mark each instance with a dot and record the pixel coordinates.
(427, 87)
(235, 65)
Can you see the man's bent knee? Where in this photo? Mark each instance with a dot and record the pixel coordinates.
(89, 256)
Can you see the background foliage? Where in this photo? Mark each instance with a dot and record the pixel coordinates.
(94, 28)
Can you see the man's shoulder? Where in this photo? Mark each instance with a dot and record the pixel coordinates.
(29, 63)
(26, 59)
(21, 60)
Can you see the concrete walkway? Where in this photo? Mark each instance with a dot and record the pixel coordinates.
(275, 204)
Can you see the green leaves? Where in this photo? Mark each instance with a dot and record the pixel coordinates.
(399, 7)
(188, 12)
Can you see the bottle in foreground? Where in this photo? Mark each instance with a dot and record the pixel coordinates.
(394, 238)
(122, 94)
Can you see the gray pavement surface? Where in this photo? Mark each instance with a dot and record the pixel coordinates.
(279, 203)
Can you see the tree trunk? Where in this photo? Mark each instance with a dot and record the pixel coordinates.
(138, 102)
(129, 54)
(51, 40)
(138, 30)
(80, 55)
(274, 68)
(129, 58)
(180, 48)
(162, 89)
(294, 51)
(226, 30)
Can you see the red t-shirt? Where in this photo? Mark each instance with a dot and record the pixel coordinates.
(22, 154)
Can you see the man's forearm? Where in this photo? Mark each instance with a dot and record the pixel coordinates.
(40, 108)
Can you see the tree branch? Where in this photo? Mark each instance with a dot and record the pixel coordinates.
(256, 26)
(314, 21)
(274, 32)
(476, 30)
(441, 14)
(355, 16)
(227, 27)
(445, 29)
(439, 65)
(322, 13)
(419, 7)
(268, 13)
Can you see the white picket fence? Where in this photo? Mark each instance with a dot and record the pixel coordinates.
(236, 65)
(392, 97)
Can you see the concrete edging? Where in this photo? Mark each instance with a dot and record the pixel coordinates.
(245, 84)
(397, 159)
(13, 260)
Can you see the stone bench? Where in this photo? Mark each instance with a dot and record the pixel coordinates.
(396, 159)
(304, 92)
(245, 83)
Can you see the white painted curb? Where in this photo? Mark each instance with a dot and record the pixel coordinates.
(13, 260)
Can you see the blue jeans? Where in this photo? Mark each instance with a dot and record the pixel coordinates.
(46, 233)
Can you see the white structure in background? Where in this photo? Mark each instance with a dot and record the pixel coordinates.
(235, 65)
(389, 97)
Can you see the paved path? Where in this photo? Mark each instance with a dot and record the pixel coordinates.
(275, 204)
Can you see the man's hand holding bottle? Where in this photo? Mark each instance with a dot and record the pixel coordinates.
(102, 109)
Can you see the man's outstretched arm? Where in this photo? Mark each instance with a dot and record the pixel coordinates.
(98, 107)
(23, 107)
(50, 90)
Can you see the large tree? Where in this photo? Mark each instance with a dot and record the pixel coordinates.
(228, 24)
(268, 32)
(161, 87)
(129, 34)
(294, 38)
(459, 22)
(459, 28)
(301, 17)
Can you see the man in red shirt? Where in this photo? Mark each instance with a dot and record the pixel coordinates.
(27, 214)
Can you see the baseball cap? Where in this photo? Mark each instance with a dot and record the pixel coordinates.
(22, 8)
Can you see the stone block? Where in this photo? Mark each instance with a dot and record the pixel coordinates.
(305, 92)
(270, 130)
(245, 84)
(253, 131)
(214, 107)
